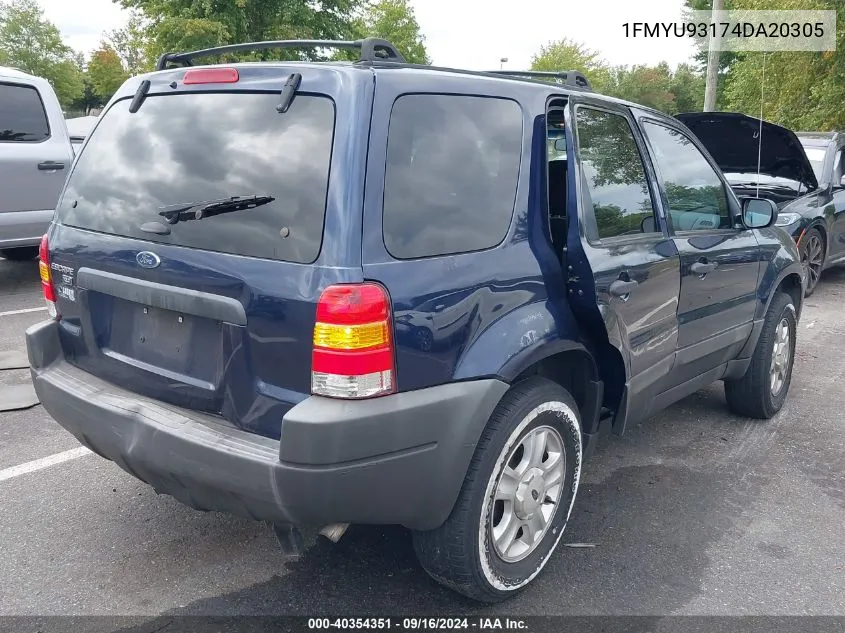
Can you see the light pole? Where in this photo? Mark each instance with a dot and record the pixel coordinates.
(502, 62)
(712, 81)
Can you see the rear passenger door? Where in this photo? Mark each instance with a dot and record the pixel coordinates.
(719, 259)
(635, 266)
(34, 160)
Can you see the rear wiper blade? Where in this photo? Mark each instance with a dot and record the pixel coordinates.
(199, 210)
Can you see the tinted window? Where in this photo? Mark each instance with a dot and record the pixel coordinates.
(694, 191)
(816, 156)
(22, 116)
(837, 168)
(452, 169)
(200, 147)
(616, 194)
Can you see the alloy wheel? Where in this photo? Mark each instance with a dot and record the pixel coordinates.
(812, 258)
(779, 369)
(527, 493)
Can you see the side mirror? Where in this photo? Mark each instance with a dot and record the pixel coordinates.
(842, 181)
(758, 213)
(560, 144)
(647, 224)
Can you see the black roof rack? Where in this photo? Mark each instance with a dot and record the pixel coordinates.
(372, 49)
(569, 77)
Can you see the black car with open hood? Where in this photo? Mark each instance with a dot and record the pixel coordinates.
(733, 139)
(809, 193)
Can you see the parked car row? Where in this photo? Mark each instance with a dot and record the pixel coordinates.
(35, 157)
(804, 174)
(37, 147)
(324, 293)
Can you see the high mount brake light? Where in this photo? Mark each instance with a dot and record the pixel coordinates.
(211, 76)
(353, 343)
(47, 278)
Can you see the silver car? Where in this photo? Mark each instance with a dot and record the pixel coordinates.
(35, 156)
(79, 128)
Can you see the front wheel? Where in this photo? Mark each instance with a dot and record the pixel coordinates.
(761, 392)
(812, 259)
(516, 498)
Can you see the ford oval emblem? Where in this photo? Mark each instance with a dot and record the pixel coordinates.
(146, 259)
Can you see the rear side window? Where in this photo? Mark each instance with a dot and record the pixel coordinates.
(180, 150)
(616, 189)
(22, 116)
(452, 170)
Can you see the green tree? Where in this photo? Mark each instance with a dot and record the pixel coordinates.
(566, 54)
(648, 85)
(34, 45)
(88, 99)
(177, 25)
(133, 44)
(801, 90)
(393, 20)
(688, 87)
(659, 87)
(105, 72)
(67, 81)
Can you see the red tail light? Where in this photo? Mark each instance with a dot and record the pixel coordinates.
(47, 277)
(211, 76)
(353, 343)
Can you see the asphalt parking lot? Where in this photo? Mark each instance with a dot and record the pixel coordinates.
(692, 512)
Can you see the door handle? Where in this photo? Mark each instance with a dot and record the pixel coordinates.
(702, 268)
(621, 288)
(49, 165)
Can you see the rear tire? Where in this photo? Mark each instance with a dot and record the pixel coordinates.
(20, 254)
(761, 392)
(516, 498)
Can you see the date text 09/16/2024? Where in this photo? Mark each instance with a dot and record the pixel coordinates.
(418, 624)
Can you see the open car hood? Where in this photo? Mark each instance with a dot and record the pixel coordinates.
(732, 140)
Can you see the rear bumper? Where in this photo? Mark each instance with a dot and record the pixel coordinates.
(23, 228)
(397, 459)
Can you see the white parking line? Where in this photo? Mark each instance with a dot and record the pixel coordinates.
(23, 311)
(44, 462)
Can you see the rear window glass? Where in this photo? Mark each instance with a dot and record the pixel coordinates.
(184, 149)
(22, 116)
(452, 170)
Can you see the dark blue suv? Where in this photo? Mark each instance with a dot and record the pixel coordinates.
(371, 292)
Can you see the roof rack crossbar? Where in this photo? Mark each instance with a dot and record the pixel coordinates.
(569, 77)
(372, 49)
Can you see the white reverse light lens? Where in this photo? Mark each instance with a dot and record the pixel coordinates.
(363, 386)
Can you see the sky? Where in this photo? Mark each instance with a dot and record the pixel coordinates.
(473, 34)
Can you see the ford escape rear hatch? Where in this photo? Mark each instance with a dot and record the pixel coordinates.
(184, 250)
